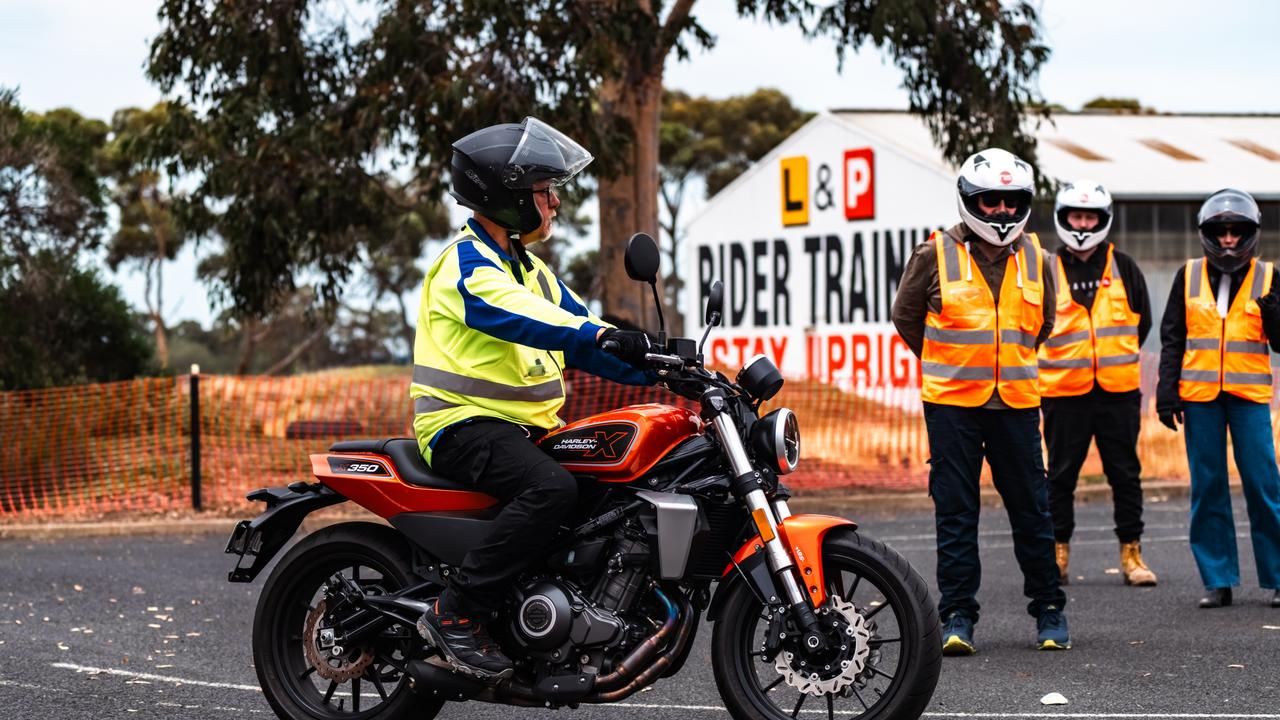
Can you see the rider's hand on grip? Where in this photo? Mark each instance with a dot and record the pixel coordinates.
(628, 345)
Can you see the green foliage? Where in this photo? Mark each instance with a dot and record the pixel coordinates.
(580, 273)
(51, 195)
(63, 325)
(968, 65)
(719, 139)
(314, 128)
(1126, 105)
(307, 111)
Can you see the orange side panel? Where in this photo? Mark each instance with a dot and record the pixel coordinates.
(386, 495)
(803, 536)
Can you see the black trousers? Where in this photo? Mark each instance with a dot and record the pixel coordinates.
(959, 439)
(1070, 424)
(536, 493)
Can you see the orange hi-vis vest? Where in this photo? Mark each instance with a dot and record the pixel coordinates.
(1225, 353)
(1086, 344)
(976, 346)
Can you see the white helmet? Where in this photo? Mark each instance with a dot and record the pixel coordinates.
(998, 173)
(1082, 195)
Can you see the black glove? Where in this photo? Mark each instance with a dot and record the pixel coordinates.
(1171, 417)
(1269, 304)
(628, 345)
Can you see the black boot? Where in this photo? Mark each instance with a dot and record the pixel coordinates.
(1275, 600)
(465, 644)
(1218, 597)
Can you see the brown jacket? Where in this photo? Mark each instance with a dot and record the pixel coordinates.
(920, 293)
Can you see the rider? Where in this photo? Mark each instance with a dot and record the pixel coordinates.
(495, 329)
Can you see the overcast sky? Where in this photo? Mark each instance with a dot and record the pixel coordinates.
(1173, 55)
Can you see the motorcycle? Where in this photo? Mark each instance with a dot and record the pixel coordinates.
(675, 504)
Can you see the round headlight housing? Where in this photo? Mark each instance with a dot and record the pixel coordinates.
(760, 378)
(776, 440)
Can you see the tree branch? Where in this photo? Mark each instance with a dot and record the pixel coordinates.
(297, 352)
(671, 28)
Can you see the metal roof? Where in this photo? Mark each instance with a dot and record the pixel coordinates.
(1134, 156)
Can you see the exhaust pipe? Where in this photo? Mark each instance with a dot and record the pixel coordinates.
(441, 682)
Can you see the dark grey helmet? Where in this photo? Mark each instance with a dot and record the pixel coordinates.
(1229, 207)
(494, 170)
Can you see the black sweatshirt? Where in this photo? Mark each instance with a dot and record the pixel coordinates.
(1173, 331)
(1084, 276)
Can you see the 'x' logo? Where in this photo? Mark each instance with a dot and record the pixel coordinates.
(606, 445)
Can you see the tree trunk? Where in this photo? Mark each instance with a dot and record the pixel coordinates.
(629, 201)
(297, 352)
(157, 314)
(407, 329)
(250, 345)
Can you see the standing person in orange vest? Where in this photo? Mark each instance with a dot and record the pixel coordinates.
(1089, 372)
(1215, 371)
(973, 305)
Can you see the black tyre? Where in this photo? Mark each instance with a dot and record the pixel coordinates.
(892, 669)
(365, 683)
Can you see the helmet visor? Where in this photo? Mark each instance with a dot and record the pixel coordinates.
(544, 153)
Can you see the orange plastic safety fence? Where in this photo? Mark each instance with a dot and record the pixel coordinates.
(94, 450)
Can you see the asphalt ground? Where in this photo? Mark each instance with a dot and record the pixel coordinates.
(148, 627)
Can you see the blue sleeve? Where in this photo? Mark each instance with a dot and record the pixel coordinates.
(569, 302)
(495, 305)
(602, 364)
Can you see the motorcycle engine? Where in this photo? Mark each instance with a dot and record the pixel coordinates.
(553, 619)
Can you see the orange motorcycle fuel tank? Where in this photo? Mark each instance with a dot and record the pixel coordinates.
(621, 445)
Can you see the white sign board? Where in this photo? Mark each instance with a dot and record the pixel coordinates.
(810, 244)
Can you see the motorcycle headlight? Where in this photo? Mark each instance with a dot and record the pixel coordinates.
(776, 440)
(760, 377)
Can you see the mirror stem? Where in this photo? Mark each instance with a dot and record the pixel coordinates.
(662, 323)
(715, 320)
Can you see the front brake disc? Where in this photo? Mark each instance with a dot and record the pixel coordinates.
(832, 678)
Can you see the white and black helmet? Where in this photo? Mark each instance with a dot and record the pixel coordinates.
(995, 174)
(1088, 195)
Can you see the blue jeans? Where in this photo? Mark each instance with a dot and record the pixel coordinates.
(1213, 530)
(959, 439)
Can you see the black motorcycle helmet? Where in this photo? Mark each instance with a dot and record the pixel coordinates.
(1229, 207)
(494, 170)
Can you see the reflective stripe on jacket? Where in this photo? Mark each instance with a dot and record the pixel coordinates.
(493, 339)
(974, 346)
(1228, 354)
(1101, 342)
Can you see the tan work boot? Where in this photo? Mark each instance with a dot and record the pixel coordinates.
(1062, 553)
(1135, 570)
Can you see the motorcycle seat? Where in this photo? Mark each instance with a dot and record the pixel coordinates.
(405, 458)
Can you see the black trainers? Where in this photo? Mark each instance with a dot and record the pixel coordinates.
(465, 644)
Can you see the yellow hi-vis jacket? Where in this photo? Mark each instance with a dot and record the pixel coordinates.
(1086, 344)
(976, 346)
(493, 339)
(1229, 353)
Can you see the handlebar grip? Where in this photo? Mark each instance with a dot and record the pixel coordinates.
(610, 346)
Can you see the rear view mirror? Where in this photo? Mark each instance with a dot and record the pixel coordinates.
(715, 303)
(641, 258)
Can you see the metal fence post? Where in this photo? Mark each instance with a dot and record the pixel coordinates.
(195, 437)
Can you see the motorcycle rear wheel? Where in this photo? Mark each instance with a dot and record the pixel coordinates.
(904, 650)
(375, 558)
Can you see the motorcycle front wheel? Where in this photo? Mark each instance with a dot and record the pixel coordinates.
(885, 656)
(303, 676)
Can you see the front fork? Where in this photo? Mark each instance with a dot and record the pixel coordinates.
(747, 486)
